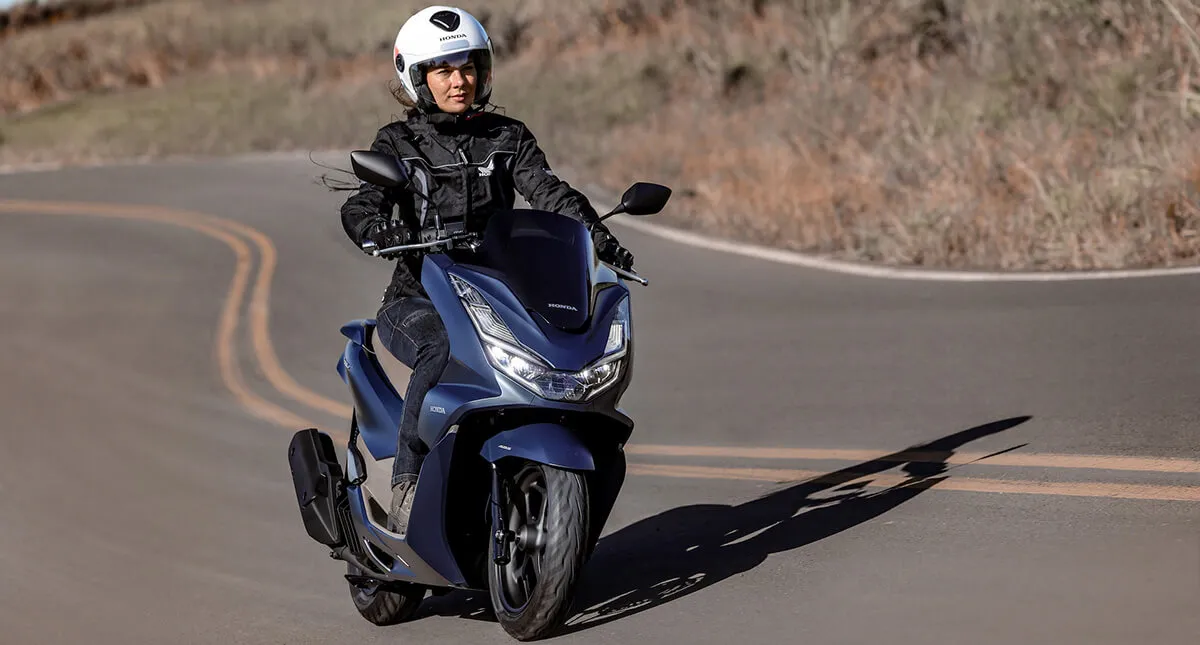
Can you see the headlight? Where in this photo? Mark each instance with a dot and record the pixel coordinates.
(506, 353)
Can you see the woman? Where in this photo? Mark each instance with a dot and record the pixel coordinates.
(464, 163)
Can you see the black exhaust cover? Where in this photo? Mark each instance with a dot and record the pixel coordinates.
(317, 476)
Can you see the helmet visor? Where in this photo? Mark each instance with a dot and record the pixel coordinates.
(481, 58)
(457, 60)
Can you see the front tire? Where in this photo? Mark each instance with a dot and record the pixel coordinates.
(384, 606)
(547, 510)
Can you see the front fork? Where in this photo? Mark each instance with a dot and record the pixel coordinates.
(501, 536)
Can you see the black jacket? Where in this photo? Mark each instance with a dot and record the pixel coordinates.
(468, 166)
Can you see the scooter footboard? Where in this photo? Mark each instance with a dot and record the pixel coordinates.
(545, 443)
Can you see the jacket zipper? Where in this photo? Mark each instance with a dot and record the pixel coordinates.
(466, 188)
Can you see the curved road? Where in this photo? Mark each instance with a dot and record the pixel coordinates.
(1049, 492)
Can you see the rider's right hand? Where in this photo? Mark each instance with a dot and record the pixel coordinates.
(386, 234)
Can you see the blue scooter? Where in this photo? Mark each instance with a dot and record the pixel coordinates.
(526, 440)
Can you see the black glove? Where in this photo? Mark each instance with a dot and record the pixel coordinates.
(386, 234)
(608, 249)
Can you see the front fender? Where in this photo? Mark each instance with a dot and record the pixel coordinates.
(544, 443)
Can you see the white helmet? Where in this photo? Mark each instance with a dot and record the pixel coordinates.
(437, 35)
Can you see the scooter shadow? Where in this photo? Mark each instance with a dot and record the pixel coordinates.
(687, 549)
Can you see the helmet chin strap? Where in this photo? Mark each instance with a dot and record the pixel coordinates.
(425, 100)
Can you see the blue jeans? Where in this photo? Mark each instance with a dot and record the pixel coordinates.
(411, 329)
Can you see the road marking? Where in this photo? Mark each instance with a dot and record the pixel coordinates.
(259, 305)
(264, 349)
(1034, 460)
(862, 270)
(1071, 489)
(225, 348)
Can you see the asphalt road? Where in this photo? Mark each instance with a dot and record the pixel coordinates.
(143, 499)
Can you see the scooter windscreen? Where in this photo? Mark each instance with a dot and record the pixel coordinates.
(546, 259)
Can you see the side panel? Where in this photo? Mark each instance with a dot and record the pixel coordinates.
(446, 403)
(423, 556)
(378, 406)
(390, 552)
(427, 526)
(545, 443)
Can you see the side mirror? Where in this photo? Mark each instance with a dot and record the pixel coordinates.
(642, 199)
(378, 168)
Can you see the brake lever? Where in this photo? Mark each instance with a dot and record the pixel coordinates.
(397, 249)
(629, 274)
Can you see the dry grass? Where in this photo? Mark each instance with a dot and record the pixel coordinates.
(1044, 134)
(146, 47)
(32, 14)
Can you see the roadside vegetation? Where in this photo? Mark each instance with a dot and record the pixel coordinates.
(1040, 134)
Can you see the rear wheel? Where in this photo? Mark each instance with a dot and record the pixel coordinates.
(547, 516)
(389, 605)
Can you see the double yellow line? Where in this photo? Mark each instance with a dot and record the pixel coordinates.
(227, 232)
(239, 238)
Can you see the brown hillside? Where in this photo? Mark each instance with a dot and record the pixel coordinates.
(981, 133)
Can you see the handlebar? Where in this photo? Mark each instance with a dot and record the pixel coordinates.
(472, 242)
(466, 240)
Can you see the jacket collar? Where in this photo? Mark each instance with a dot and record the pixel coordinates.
(443, 122)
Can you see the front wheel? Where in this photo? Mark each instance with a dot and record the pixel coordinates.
(546, 514)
